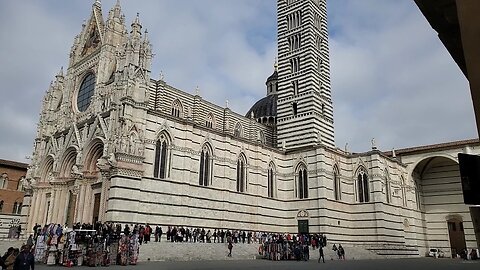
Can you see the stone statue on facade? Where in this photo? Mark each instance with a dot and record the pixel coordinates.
(76, 171)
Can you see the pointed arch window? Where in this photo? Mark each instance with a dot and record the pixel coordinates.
(205, 166)
(388, 189)
(14, 211)
(271, 185)
(362, 185)
(161, 157)
(404, 191)
(238, 130)
(4, 181)
(242, 174)
(209, 122)
(337, 191)
(302, 182)
(418, 196)
(177, 108)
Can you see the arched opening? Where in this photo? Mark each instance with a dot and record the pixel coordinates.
(242, 173)
(439, 196)
(68, 162)
(205, 174)
(94, 153)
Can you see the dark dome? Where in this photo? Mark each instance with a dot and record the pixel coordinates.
(265, 107)
(273, 77)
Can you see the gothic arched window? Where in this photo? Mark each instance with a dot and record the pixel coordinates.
(209, 121)
(337, 191)
(14, 211)
(362, 185)
(271, 185)
(404, 191)
(302, 182)
(161, 157)
(3, 181)
(388, 189)
(242, 173)
(205, 166)
(418, 197)
(177, 108)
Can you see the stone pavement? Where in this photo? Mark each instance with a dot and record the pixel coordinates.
(6, 243)
(390, 264)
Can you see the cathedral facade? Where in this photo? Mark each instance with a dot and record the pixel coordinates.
(114, 144)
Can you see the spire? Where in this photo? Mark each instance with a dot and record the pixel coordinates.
(117, 9)
(60, 73)
(136, 26)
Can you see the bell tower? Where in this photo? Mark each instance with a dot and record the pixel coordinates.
(304, 108)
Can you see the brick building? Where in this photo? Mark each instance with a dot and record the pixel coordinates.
(11, 191)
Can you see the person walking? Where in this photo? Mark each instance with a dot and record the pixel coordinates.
(24, 260)
(341, 252)
(321, 255)
(230, 247)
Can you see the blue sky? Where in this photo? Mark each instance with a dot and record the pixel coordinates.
(392, 79)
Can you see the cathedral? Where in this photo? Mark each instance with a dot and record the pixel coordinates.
(114, 144)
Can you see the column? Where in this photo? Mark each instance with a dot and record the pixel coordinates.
(87, 205)
(104, 195)
(80, 204)
(31, 212)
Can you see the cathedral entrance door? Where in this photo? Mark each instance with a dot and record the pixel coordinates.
(96, 207)
(303, 226)
(457, 236)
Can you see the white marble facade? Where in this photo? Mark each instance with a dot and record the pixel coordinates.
(105, 160)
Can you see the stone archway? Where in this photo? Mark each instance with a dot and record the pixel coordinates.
(441, 198)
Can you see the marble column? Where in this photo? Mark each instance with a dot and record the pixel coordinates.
(104, 195)
(80, 204)
(87, 218)
(30, 214)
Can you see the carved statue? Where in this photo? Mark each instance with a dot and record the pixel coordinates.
(75, 171)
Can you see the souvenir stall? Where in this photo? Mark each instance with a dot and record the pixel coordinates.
(55, 246)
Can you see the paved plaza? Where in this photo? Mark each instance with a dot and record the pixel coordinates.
(392, 264)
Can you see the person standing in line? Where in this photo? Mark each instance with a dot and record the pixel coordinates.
(341, 252)
(321, 255)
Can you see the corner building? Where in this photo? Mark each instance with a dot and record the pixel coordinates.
(114, 144)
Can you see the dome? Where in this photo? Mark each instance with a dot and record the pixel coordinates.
(265, 107)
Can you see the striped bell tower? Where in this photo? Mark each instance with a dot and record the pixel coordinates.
(304, 106)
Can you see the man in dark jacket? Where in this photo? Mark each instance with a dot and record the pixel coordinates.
(24, 260)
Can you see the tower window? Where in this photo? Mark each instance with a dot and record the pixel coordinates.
(302, 182)
(295, 64)
(294, 107)
(294, 42)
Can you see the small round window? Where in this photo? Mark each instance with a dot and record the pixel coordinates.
(86, 92)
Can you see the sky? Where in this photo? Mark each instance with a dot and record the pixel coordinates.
(392, 79)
